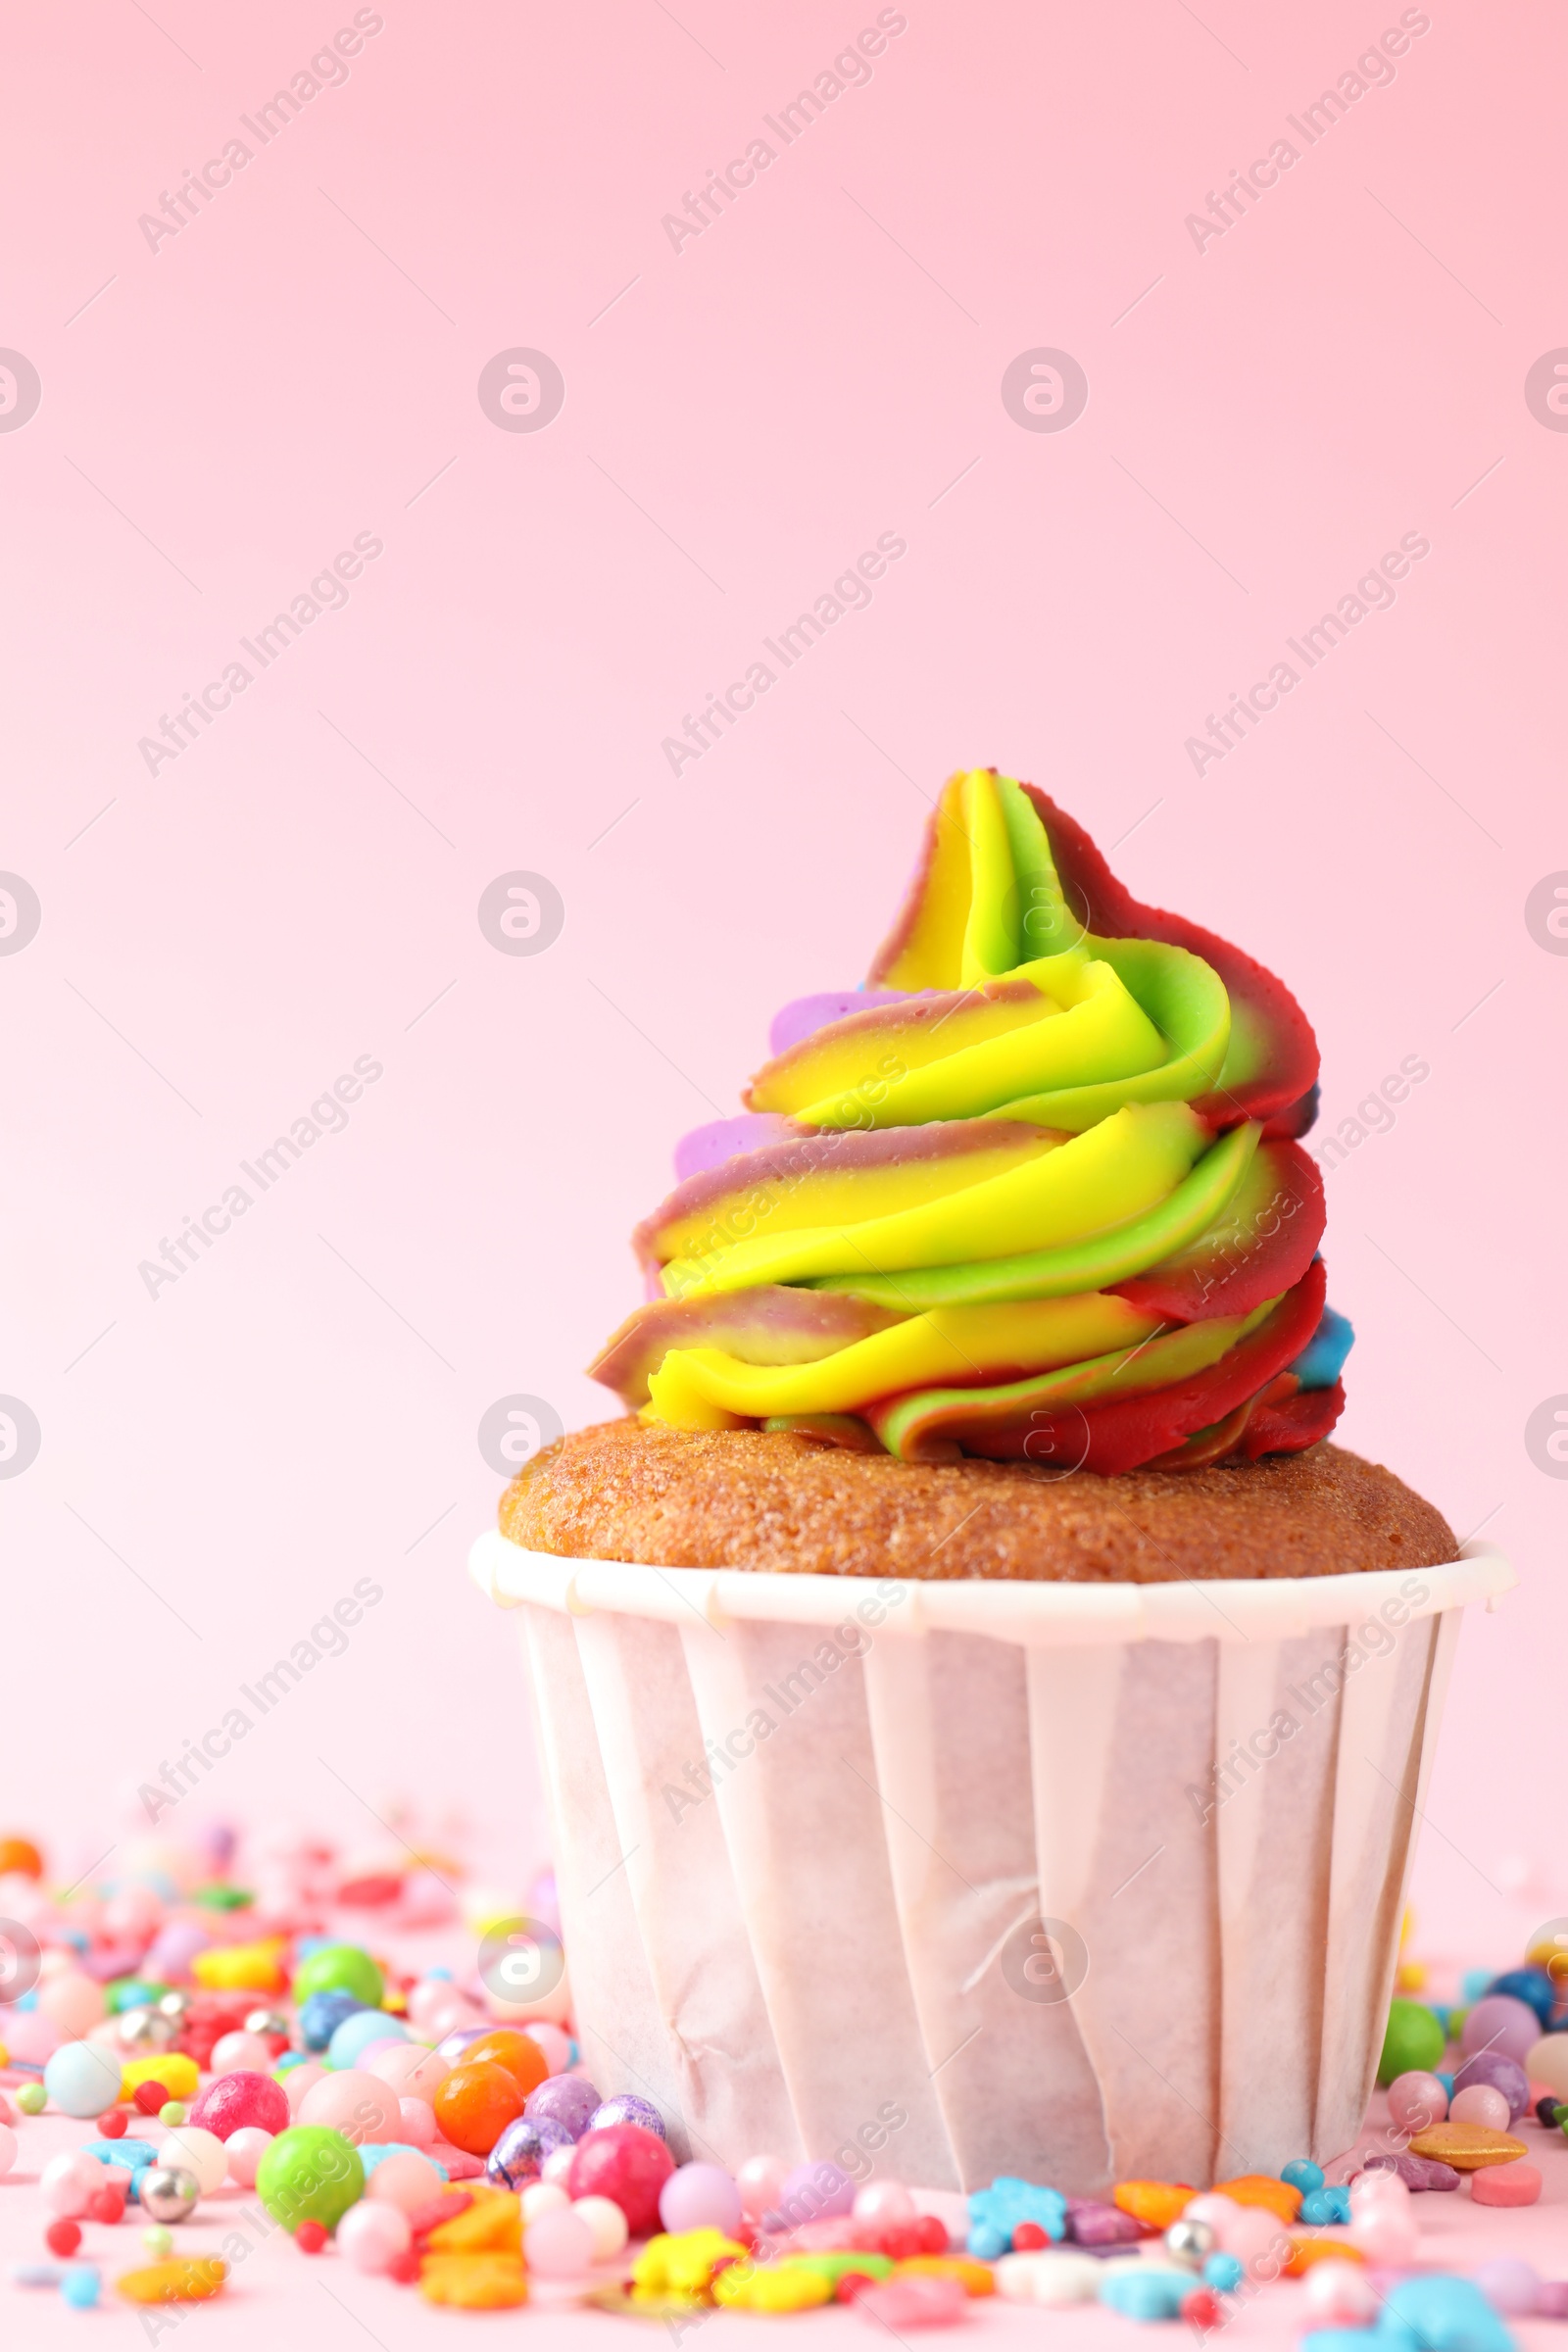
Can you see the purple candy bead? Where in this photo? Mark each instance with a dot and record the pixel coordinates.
(1500, 2022)
(1091, 2224)
(625, 2108)
(1510, 2285)
(1497, 2072)
(518, 2155)
(1551, 2299)
(565, 2099)
(456, 2044)
(814, 2193)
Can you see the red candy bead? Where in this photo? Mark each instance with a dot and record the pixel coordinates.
(239, 2101)
(105, 2205)
(405, 2267)
(933, 2234)
(63, 2237)
(1029, 2237)
(309, 2237)
(112, 2125)
(627, 2165)
(150, 2096)
(1202, 2308)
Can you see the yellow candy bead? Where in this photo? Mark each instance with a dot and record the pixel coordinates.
(183, 2282)
(241, 1967)
(473, 2282)
(172, 2068)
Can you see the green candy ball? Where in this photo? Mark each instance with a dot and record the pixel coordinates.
(310, 2174)
(339, 1968)
(1413, 2043)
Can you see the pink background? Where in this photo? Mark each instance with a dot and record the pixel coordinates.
(297, 365)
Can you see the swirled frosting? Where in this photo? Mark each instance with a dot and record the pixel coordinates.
(1033, 1192)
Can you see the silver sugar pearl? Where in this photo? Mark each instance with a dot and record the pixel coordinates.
(142, 2030)
(168, 2194)
(266, 2021)
(1190, 2243)
(175, 2005)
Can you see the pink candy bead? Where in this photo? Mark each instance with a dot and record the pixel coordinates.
(69, 2183)
(1216, 2210)
(884, 2201)
(1417, 2101)
(417, 2126)
(412, 2071)
(246, 2148)
(372, 2235)
(699, 2196)
(235, 2053)
(760, 2182)
(1478, 2103)
(555, 2045)
(558, 2165)
(911, 2302)
(558, 2245)
(1505, 2185)
(1259, 2241)
(1339, 2294)
(1381, 2223)
(299, 2080)
(73, 2002)
(358, 2105)
(406, 2179)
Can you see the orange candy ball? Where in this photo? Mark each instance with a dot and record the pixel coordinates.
(21, 1855)
(519, 2053)
(476, 2103)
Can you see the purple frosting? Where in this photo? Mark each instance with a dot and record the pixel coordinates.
(805, 1016)
(565, 2099)
(521, 2151)
(722, 1139)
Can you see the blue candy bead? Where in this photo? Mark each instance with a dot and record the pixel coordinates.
(1223, 2272)
(1343, 2339)
(1302, 2173)
(1440, 2312)
(986, 2242)
(1147, 2293)
(1010, 2201)
(289, 2058)
(372, 2156)
(1531, 1985)
(131, 2153)
(79, 2287)
(627, 2108)
(357, 2032)
(322, 2014)
(1447, 2080)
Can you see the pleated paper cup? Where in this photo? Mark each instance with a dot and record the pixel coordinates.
(1079, 1882)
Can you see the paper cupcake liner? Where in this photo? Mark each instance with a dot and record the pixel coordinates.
(1078, 1882)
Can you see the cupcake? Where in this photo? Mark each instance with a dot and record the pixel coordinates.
(973, 1689)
